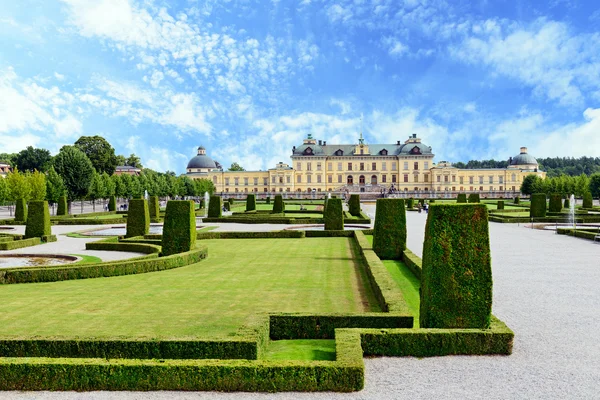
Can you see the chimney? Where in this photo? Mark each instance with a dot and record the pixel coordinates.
(523, 150)
(414, 136)
(320, 143)
(324, 143)
(398, 143)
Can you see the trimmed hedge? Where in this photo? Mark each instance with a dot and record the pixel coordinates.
(62, 206)
(215, 209)
(354, 205)
(474, 198)
(21, 210)
(153, 207)
(410, 204)
(334, 215)
(278, 205)
(138, 218)
(389, 233)
(413, 262)
(517, 200)
(461, 198)
(38, 222)
(329, 233)
(252, 235)
(538, 205)
(588, 201)
(229, 200)
(179, 229)
(567, 204)
(251, 202)
(500, 205)
(555, 204)
(456, 279)
(19, 244)
(112, 203)
(227, 206)
(268, 200)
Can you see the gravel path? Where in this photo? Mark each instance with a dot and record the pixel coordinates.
(545, 289)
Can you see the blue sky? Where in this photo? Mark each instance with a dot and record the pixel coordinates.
(250, 79)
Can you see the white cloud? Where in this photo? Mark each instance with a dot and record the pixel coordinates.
(394, 47)
(59, 77)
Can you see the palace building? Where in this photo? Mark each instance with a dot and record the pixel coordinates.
(401, 167)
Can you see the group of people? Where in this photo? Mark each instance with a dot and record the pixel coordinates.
(425, 207)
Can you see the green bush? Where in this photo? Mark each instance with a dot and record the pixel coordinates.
(179, 230)
(62, 206)
(278, 205)
(334, 215)
(329, 233)
(456, 279)
(268, 201)
(230, 200)
(517, 200)
(462, 198)
(138, 218)
(112, 203)
(19, 244)
(251, 202)
(567, 203)
(38, 221)
(354, 205)
(389, 233)
(555, 204)
(500, 205)
(431, 201)
(153, 207)
(215, 209)
(252, 235)
(538, 205)
(474, 198)
(588, 201)
(21, 210)
(410, 204)
(227, 206)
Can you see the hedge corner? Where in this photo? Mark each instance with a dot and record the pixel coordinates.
(389, 233)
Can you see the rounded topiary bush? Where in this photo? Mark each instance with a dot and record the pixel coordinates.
(153, 207)
(215, 207)
(588, 200)
(354, 205)
(389, 232)
(500, 205)
(38, 220)
(555, 203)
(334, 215)
(461, 198)
(138, 218)
(112, 203)
(474, 198)
(251, 202)
(456, 278)
(62, 206)
(410, 203)
(567, 203)
(278, 206)
(179, 230)
(538, 205)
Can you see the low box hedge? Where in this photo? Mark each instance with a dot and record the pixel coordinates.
(19, 244)
(38, 221)
(412, 262)
(89, 221)
(292, 234)
(389, 237)
(138, 218)
(62, 208)
(179, 229)
(329, 233)
(538, 205)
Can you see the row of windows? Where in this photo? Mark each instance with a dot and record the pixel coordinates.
(361, 166)
(471, 179)
(274, 180)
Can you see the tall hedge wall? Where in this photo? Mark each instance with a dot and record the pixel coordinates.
(278, 206)
(456, 279)
(500, 205)
(251, 202)
(38, 221)
(62, 206)
(474, 198)
(555, 203)
(588, 200)
(21, 210)
(354, 205)
(538, 205)
(138, 218)
(214, 207)
(153, 207)
(462, 198)
(112, 203)
(334, 215)
(389, 233)
(179, 229)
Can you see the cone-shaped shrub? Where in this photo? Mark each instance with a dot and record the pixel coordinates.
(354, 205)
(587, 200)
(21, 210)
(153, 207)
(62, 206)
(555, 203)
(278, 206)
(179, 230)
(230, 200)
(538, 205)
(112, 203)
(500, 205)
(410, 203)
(474, 198)
(268, 200)
(215, 207)
(567, 203)
(456, 279)
(517, 200)
(462, 198)
(138, 218)
(389, 233)
(38, 220)
(334, 215)
(251, 202)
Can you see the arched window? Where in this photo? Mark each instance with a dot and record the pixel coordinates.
(513, 177)
(350, 180)
(361, 180)
(374, 180)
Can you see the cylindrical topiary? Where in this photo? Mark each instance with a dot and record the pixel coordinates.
(537, 208)
(567, 203)
(138, 218)
(215, 208)
(410, 204)
(278, 206)
(62, 206)
(38, 220)
(112, 203)
(456, 278)
(474, 198)
(354, 205)
(227, 206)
(334, 216)
(268, 200)
(230, 200)
(179, 230)
(21, 210)
(588, 200)
(389, 232)
(153, 207)
(251, 202)
(517, 199)
(555, 203)
(500, 205)
(461, 198)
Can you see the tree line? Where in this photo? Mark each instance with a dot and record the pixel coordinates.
(553, 166)
(562, 184)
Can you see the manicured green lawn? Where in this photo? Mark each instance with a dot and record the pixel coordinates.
(210, 299)
(303, 349)
(106, 216)
(408, 284)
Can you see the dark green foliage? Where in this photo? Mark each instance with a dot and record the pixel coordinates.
(99, 151)
(268, 201)
(530, 182)
(555, 203)
(410, 203)
(252, 235)
(38, 221)
(278, 205)
(32, 159)
(215, 209)
(588, 201)
(389, 234)
(474, 198)
(354, 205)
(227, 206)
(230, 200)
(138, 218)
(112, 203)
(62, 206)
(413, 263)
(517, 200)
(538, 205)
(461, 198)
(500, 205)
(329, 233)
(456, 279)
(567, 203)
(179, 230)
(76, 170)
(251, 202)
(113, 244)
(89, 221)
(153, 207)
(334, 215)
(21, 210)
(431, 201)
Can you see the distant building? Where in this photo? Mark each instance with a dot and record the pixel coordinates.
(127, 170)
(5, 169)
